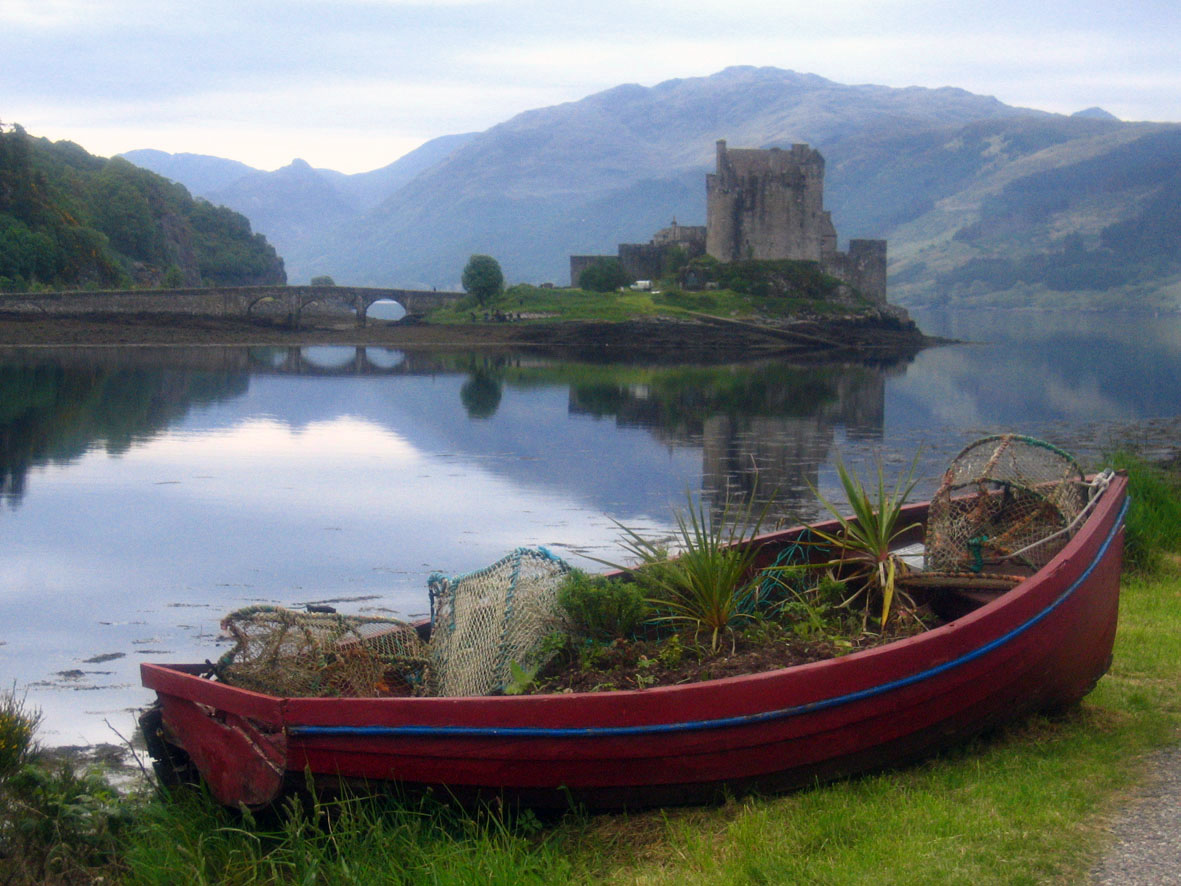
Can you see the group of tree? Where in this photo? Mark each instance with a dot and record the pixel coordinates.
(483, 279)
(603, 275)
(72, 220)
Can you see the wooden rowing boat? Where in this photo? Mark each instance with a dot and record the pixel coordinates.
(1043, 644)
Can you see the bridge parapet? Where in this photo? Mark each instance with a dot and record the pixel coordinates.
(232, 301)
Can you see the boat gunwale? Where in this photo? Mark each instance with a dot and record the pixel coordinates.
(311, 717)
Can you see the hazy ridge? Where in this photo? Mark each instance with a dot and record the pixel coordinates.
(976, 197)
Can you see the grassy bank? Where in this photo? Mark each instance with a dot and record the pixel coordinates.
(1025, 805)
(536, 304)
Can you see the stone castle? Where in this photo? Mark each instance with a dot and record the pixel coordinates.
(760, 204)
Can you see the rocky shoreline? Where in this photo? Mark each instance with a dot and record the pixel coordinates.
(655, 338)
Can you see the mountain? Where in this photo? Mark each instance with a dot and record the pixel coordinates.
(291, 204)
(201, 174)
(614, 167)
(1092, 216)
(1095, 114)
(72, 220)
(981, 202)
(367, 189)
(295, 205)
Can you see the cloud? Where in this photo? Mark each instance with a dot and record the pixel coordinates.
(269, 77)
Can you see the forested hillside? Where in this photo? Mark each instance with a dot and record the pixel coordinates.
(70, 220)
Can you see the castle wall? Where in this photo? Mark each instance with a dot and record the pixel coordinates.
(770, 205)
(690, 237)
(647, 261)
(863, 266)
(760, 204)
(579, 263)
(767, 205)
(642, 261)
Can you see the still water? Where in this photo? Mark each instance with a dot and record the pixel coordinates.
(146, 492)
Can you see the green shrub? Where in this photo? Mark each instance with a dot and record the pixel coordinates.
(602, 609)
(603, 275)
(865, 542)
(65, 820)
(709, 584)
(18, 727)
(56, 825)
(1153, 524)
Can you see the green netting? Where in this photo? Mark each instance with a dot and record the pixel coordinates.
(485, 621)
(481, 624)
(282, 652)
(787, 578)
(1005, 499)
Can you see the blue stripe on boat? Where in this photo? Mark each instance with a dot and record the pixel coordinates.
(722, 722)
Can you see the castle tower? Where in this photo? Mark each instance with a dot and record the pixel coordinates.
(768, 205)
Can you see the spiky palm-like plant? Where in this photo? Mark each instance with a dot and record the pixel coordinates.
(708, 583)
(863, 543)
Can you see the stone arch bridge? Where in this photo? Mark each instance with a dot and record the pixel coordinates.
(289, 302)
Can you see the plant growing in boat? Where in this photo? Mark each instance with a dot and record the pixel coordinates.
(521, 678)
(863, 544)
(810, 607)
(602, 609)
(709, 585)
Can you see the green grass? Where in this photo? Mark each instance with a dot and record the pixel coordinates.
(189, 840)
(539, 305)
(1154, 521)
(1026, 805)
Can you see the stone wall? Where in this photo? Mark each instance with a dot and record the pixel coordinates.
(767, 205)
(289, 302)
(647, 261)
(642, 261)
(863, 266)
(579, 263)
(770, 205)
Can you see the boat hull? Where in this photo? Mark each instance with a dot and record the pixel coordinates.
(1041, 645)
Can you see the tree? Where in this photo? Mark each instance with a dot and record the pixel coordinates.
(482, 278)
(603, 275)
(480, 394)
(323, 280)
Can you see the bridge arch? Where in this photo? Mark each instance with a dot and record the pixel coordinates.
(227, 301)
(388, 309)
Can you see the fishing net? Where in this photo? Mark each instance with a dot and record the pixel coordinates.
(1004, 499)
(485, 622)
(299, 654)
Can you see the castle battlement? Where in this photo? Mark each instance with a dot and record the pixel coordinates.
(760, 204)
(769, 204)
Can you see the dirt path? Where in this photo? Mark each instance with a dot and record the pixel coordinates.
(1147, 847)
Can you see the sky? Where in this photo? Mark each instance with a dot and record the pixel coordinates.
(354, 84)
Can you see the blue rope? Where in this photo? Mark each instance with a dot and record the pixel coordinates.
(723, 722)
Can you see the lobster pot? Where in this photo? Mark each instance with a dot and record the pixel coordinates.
(1005, 501)
(485, 622)
(303, 654)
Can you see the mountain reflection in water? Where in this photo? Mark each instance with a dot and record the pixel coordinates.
(145, 492)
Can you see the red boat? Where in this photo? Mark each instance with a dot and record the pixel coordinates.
(1043, 644)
